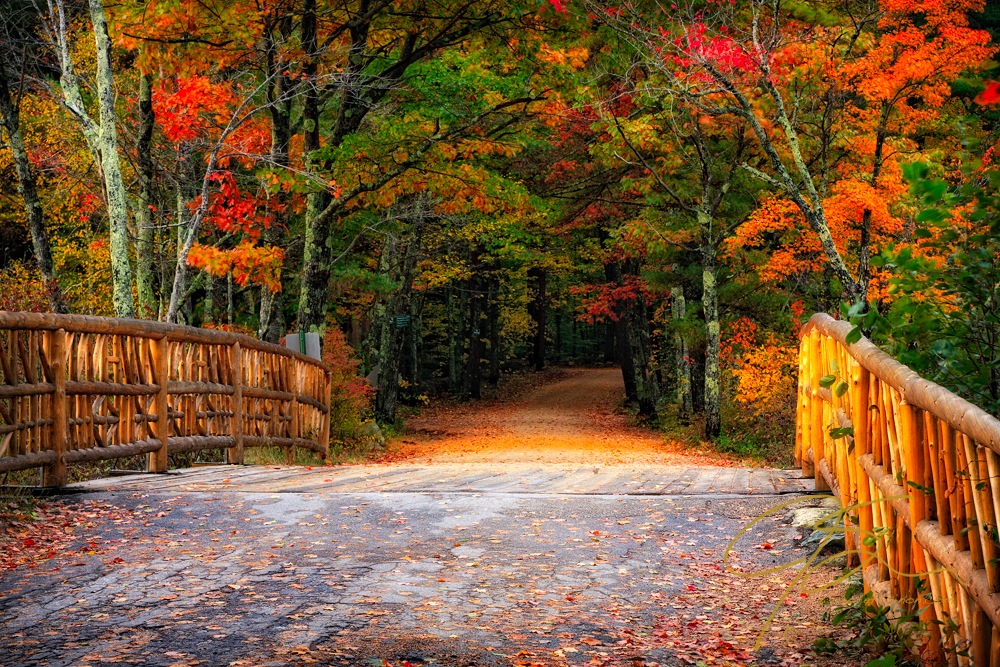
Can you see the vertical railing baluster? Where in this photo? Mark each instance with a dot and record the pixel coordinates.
(157, 460)
(235, 453)
(55, 474)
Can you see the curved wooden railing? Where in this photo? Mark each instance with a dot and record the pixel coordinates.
(917, 469)
(77, 388)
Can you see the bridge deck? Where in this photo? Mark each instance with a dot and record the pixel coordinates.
(467, 478)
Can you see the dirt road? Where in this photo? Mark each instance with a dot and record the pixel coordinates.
(573, 419)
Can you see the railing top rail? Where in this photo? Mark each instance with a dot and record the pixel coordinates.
(144, 329)
(962, 415)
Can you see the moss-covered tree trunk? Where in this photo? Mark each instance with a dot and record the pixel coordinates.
(710, 307)
(682, 367)
(114, 185)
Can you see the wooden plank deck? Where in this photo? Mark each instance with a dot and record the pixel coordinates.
(465, 478)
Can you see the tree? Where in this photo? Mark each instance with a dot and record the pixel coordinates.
(102, 136)
(15, 25)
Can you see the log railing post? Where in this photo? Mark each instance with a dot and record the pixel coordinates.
(295, 385)
(235, 453)
(55, 474)
(157, 460)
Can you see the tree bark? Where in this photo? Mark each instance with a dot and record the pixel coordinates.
(392, 337)
(682, 368)
(146, 247)
(29, 193)
(316, 251)
(272, 320)
(538, 310)
(473, 373)
(114, 185)
(710, 307)
(493, 318)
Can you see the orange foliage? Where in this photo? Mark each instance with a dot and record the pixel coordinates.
(778, 226)
(249, 264)
(766, 373)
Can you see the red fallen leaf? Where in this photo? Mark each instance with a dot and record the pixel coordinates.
(569, 598)
(114, 561)
(29, 543)
(765, 546)
(691, 588)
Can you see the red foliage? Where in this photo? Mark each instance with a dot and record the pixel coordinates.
(991, 95)
(194, 106)
(350, 394)
(559, 5)
(230, 209)
(600, 302)
(721, 51)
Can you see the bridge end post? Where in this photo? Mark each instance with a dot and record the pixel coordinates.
(157, 459)
(54, 475)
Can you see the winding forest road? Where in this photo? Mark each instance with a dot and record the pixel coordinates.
(543, 531)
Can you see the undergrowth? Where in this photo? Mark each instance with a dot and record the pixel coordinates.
(871, 629)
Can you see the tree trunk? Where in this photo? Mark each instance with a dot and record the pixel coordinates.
(613, 274)
(454, 325)
(145, 248)
(313, 292)
(682, 368)
(710, 307)
(494, 331)
(392, 336)
(473, 373)
(29, 193)
(538, 309)
(272, 320)
(114, 185)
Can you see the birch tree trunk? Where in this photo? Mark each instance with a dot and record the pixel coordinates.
(29, 193)
(114, 185)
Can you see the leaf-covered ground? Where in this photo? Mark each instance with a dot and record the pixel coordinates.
(570, 417)
(451, 579)
(420, 578)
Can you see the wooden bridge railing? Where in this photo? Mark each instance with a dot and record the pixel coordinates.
(75, 388)
(918, 469)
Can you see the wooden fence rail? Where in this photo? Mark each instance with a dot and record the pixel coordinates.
(918, 469)
(75, 388)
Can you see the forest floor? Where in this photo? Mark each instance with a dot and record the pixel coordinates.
(567, 416)
(355, 565)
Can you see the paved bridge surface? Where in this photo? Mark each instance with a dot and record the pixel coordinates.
(550, 533)
(420, 565)
(468, 478)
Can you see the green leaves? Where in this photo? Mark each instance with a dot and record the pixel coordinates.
(827, 381)
(841, 432)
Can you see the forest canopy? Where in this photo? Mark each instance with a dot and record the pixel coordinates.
(450, 189)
